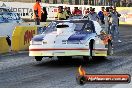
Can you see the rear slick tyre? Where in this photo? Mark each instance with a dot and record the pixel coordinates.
(38, 58)
(109, 51)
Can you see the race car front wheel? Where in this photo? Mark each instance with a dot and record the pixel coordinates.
(38, 58)
(91, 47)
(109, 51)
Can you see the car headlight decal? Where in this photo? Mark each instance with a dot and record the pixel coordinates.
(44, 42)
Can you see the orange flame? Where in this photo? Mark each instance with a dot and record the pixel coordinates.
(81, 71)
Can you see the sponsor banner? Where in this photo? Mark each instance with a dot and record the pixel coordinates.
(126, 15)
(22, 36)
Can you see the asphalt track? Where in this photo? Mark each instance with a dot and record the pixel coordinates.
(22, 71)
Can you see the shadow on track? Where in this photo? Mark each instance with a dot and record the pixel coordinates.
(74, 62)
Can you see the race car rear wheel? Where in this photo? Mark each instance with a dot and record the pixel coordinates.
(38, 58)
(109, 51)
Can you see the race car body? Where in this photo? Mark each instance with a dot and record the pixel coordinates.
(71, 38)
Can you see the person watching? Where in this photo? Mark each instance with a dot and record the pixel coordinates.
(114, 24)
(37, 12)
(76, 12)
(44, 15)
(61, 15)
(93, 15)
(67, 11)
(101, 15)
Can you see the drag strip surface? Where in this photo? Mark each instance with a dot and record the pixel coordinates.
(22, 71)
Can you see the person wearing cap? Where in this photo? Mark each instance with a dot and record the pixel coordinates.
(61, 15)
(114, 24)
(37, 12)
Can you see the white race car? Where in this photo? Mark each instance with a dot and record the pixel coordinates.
(77, 37)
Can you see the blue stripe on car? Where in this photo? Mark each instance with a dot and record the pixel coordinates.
(38, 38)
(79, 36)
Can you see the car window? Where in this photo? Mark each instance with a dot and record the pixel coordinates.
(51, 27)
(79, 26)
(87, 28)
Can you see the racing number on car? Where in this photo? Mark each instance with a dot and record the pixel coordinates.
(28, 36)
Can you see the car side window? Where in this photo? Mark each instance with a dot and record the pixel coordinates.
(79, 26)
(87, 28)
(51, 27)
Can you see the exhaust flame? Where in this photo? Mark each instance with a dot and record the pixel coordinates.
(81, 71)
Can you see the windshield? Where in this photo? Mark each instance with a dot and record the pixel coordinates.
(81, 25)
(51, 27)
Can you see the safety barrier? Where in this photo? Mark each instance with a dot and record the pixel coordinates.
(4, 47)
(23, 34)
(21, 37)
